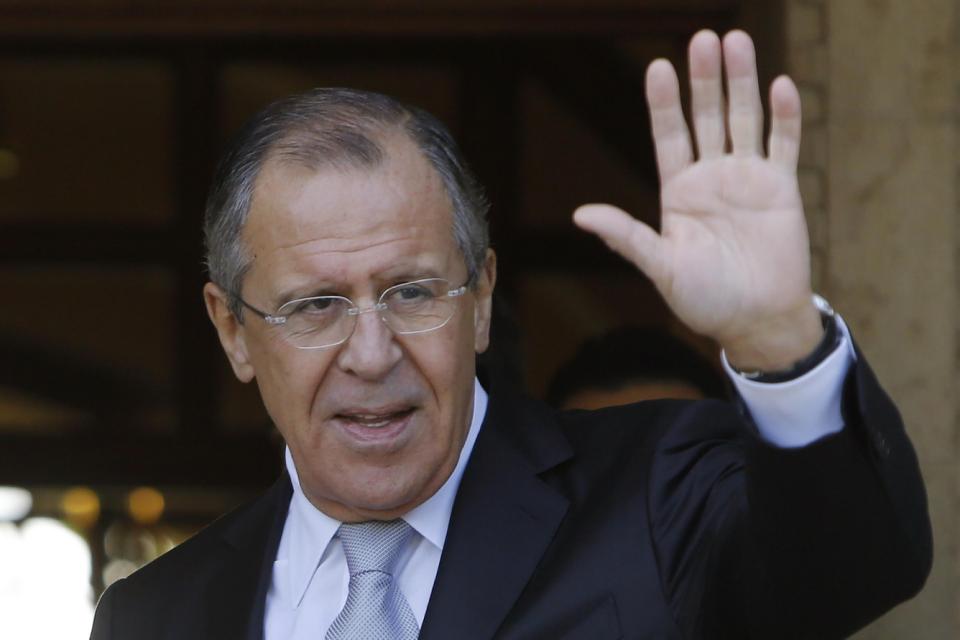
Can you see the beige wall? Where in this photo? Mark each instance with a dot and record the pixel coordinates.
(879, 167)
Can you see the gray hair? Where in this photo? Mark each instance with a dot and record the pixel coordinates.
(339, 128)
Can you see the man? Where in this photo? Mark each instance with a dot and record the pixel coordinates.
(352, 280)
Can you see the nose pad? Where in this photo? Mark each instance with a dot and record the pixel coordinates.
(371, 350)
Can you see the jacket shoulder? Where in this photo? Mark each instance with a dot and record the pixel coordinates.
(227, 552)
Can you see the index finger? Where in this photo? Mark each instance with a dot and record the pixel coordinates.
(670, 135)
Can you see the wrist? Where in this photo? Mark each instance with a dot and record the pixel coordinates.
(832, 337)
(777, 344)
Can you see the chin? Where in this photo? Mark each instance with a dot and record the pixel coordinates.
(393, 491)
(381, 490)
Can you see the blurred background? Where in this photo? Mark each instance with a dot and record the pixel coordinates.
(122, 430)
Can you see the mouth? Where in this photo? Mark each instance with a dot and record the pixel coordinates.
(374, 426)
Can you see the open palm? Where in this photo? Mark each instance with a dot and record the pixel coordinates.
(732, 256)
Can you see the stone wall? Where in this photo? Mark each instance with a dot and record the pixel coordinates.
(879, 170)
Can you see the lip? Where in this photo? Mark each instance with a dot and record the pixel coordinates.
(388, 425)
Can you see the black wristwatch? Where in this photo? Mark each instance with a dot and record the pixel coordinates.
(828, 344)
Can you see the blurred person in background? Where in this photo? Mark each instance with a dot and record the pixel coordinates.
(630, 364)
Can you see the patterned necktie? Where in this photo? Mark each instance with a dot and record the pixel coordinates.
(375, 608)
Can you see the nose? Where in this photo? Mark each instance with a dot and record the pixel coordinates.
(371, 351)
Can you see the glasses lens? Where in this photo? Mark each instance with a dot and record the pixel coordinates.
(416, 307)
(317, 322)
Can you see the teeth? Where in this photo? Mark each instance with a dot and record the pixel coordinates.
(373, 421)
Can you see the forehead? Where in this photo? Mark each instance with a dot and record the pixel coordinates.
(350, 219)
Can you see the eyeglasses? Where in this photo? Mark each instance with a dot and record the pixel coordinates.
(326, 321)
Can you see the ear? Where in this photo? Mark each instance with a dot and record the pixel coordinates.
(230, 331)
(484, 302)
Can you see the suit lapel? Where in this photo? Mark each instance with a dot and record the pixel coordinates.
(235, 609)
(503, 521)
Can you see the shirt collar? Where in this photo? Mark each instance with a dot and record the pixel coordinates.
(311, 530)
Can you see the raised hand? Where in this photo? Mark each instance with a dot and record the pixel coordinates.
(732, 259)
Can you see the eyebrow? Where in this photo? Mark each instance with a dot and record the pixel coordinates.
(326, 289)
(408, 276)
(299, 293)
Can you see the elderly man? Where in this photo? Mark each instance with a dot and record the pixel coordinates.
(352, 279)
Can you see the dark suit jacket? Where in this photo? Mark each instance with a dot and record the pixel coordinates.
(657, 520)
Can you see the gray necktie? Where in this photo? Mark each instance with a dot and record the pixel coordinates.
(375, 608)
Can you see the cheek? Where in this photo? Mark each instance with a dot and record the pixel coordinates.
(288, 380)
(456, 353)
(444, 360)
(452, 368)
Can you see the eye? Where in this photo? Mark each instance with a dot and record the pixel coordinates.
(315, 306)
(410, 294)
(413, 292)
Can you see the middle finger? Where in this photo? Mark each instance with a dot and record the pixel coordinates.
(745, 111)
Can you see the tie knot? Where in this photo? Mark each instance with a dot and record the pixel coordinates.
(373, 545)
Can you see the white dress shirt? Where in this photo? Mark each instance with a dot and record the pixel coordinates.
(797, 412)
(310, 578)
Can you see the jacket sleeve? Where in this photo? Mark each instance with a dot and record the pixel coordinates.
(814, 542)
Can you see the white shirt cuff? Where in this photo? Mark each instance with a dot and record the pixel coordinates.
(799, 411)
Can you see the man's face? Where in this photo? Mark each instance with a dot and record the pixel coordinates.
(375, 425)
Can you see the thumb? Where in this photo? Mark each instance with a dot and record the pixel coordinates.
(626, 235)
